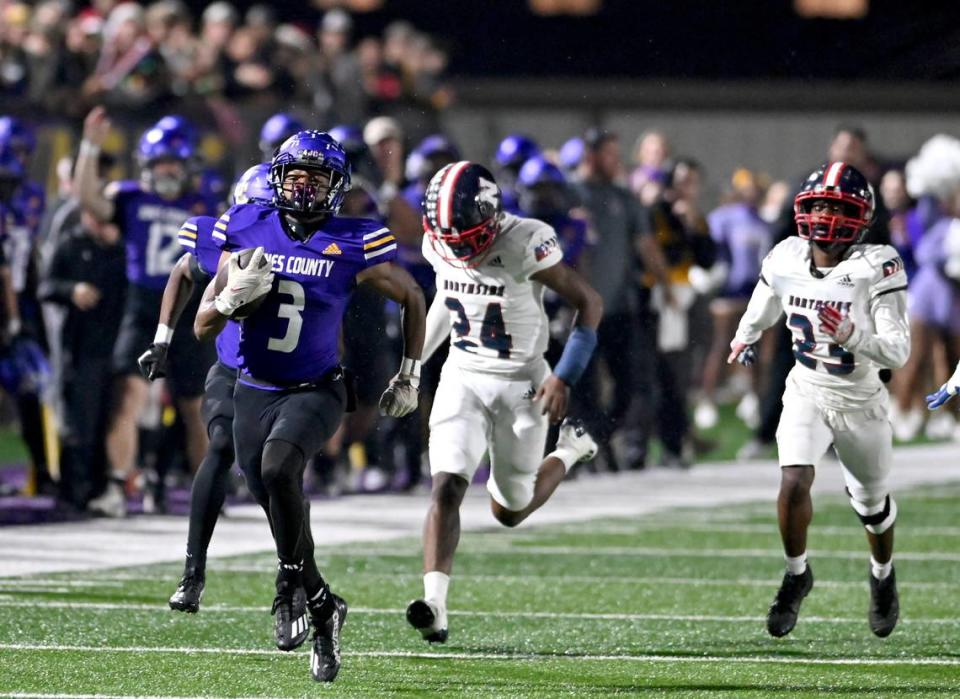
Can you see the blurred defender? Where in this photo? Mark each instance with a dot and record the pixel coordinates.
(497, 393)
(846, 305)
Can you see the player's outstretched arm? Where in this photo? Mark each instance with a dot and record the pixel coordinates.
(86, 182)
(176, 295)
(762, 312)
(574, 289)
(394, 282)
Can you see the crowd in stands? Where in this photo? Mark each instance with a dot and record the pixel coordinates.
(675, 272)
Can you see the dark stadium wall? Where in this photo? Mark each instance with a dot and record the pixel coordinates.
(745, 39)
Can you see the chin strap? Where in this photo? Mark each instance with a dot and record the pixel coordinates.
(303, 228)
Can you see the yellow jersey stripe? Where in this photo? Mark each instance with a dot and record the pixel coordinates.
(187, 233)
(378, 243)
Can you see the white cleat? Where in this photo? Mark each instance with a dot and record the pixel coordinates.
(113, 502)
(748, 410)
(940, 426)
(574, 437)
(705, 415)
(906, 425)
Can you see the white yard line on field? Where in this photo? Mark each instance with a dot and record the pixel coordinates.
(596, 616)
(23, 585)
(747, 659)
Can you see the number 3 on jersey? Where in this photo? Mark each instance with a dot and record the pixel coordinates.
(805, 345)
(293, 313)
(493, 332)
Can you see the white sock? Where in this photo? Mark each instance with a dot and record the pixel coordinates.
(435, 586)
(796, 565)
(567, 455)
(881, 571)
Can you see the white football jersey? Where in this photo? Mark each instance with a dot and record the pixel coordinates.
(497, 320)
(869, 285)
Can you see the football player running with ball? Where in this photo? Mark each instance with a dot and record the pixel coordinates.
(497, 394)
(291, 392)
(846, 304)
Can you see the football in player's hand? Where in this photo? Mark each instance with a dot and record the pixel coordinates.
(243, 259)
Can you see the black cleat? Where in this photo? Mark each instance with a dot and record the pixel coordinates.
(884, 605)
(782, 616)
(292, 626)
(430, 621)
(189, 593)
(325, 655)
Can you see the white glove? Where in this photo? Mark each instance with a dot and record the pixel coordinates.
(244, 285)
(403, 393)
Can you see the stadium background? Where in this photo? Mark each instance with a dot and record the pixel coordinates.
(758, 85)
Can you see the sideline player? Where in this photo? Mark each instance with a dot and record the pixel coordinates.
(290, 393)
(845, 303)
(208, 492)
(149, 213)
(497, 393)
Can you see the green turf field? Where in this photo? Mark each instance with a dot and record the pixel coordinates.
(668, 604)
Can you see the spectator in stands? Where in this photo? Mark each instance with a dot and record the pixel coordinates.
(209, 76)
(624, 234)
(130, 73)
(906, 227)
(169, 25)
(339, 92)
(651, 153)
(743, 240)
(14, 26)
(682, 234)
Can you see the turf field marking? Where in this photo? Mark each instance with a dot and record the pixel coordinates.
(614, 579)
(746, 659)
(60, 695)
(725, 528)
(646, 552)
(598, 616)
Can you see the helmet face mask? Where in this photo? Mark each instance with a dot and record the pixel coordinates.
(469, 247)
(165, 158)
(835, 206)
(310, 175)
(462, 213)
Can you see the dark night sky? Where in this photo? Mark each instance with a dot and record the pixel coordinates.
(701, 39)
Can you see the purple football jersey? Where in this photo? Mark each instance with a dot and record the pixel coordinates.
(196, 238)
(27, 204)
(294, 336)
(743, 240)
(149, 225)
(20, 228)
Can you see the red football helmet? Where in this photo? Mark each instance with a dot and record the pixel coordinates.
(838, 183)
(461, 212)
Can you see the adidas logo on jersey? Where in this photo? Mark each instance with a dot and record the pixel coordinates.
(845, 280)
(332, 249)
(496, 262)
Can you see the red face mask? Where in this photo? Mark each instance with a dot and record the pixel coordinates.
(826, 226)
(467, 247)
